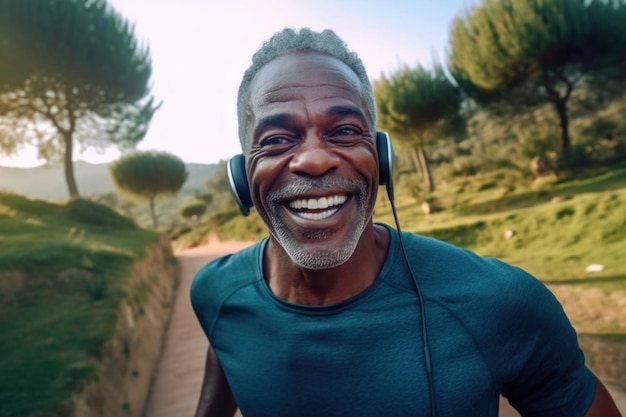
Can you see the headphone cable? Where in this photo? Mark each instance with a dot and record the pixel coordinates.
(420, 298)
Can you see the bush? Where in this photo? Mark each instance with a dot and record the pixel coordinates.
(192, 210)
(92, 213)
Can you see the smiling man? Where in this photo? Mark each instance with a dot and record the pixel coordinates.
(334, 315)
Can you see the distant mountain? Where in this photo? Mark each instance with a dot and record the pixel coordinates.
(48, 182)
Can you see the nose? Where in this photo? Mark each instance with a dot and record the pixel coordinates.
(314, 157)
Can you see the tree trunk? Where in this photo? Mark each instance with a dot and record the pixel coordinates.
(416, 161)
(418, 155)
(69, 165)
(153, 213)
(565, 146)
(426, 174)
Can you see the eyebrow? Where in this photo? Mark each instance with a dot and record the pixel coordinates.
(270, 121)
(346, 111)
(282, 119)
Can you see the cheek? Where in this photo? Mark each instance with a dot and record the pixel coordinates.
(264, 173)
(365, 162)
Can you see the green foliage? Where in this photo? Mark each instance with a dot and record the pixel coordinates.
(511, 53)
(72, 278)
(502, 44)
(147, 175)
(192, 209)
(72, 72)
(219, 190)
(92, 213)
(416, 105)
(144, 175)
(229, 224)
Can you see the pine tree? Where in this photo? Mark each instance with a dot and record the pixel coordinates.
(530, 52)
(71, 72)
(418, 106)
(148, 175)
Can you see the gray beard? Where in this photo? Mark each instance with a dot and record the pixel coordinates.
(319, 258)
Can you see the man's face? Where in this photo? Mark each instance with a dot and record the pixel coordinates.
(311, 157)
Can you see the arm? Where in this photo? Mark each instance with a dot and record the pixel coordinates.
(603, 405)
(216, 399)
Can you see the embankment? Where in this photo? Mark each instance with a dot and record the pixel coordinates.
(129, 359)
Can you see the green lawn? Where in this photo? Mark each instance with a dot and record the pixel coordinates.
(72, 260)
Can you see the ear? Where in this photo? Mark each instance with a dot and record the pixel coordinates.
(238, 183)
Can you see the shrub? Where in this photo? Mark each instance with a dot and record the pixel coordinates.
(192, 210)
(89, 212)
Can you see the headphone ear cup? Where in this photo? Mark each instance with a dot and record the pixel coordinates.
(238, 183)
(385, 158)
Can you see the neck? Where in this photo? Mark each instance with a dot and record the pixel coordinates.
(295, 284)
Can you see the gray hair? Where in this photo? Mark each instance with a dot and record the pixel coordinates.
(288, 41)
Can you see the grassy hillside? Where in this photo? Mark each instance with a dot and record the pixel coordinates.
(62, 269)
(559, 227)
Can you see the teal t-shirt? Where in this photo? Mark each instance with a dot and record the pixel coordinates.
(492, 328)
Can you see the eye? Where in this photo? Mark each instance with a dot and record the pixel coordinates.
(274, 140)
(275, 143)
(346, 134)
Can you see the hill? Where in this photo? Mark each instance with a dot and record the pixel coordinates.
(85, 295)
(48, 182)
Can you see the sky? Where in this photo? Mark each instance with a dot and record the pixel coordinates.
(201, 48)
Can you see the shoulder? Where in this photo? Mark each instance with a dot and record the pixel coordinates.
(517, 325)
(443, 264)
(221, 277)
(476, 288)
(477, 282)
(228, 272)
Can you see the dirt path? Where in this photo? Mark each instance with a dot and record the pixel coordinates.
(179, 376)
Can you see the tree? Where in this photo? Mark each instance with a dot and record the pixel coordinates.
(71, 71)
(219, 190)
(418, 106)
(531, 52)
(192, 210)
(148, 175)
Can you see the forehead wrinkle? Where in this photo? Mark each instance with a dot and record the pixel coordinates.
(285, 93)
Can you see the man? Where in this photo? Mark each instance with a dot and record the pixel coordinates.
(334, 315)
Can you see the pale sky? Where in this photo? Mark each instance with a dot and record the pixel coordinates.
(200, 49)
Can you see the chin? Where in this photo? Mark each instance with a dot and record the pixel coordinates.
(319, 252)
(318, 260)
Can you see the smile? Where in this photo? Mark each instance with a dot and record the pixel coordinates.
(324, 206)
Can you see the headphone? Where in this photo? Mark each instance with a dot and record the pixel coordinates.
(240, 189)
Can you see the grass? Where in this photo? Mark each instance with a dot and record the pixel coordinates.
(559, 228)
(71, 261)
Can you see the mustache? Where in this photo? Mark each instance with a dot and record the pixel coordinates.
(307, 185)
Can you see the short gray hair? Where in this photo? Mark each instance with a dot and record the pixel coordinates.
(290, 40)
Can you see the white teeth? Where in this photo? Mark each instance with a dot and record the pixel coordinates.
(318, 216)
(318, 203)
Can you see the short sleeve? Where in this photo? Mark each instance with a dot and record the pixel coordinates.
(542, 368)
